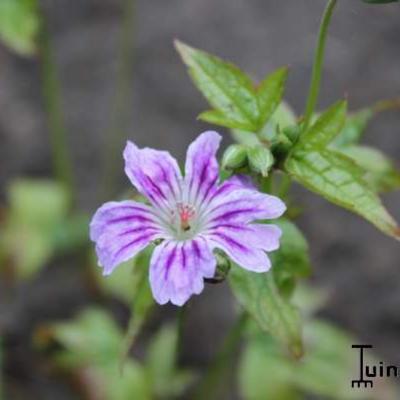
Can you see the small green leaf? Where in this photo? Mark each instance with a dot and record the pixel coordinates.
(327, 126)
(380, 173)
(338, 179)
(269, 94)
(235, 156)
(92, 338)
(354, 127)
(260, 160)
(19, 25)
(224, 85)
(258, 294)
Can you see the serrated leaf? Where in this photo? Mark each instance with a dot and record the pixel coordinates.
(224, 85)
(338, 179)
(327, 126)
(354, 127)
(19, 25)
(258, 294)
(380, 173)
(269, 94)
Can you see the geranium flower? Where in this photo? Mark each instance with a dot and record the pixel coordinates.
(193, 215)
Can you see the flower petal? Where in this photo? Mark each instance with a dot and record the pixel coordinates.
(154, 173)
(201, 168)
(242, 245)
(259, 236)
(177, 270)
(243, 206)
(121, 230)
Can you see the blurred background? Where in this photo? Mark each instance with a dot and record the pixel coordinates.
(356, 264)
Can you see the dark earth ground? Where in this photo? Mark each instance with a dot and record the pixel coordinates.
(356, 263)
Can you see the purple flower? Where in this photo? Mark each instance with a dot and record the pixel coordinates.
(193, 215)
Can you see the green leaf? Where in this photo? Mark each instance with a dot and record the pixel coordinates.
(269, 94)
(260, 160)
(165, 380)
(380, 173)
(258, 294)
(37, 210)
(325, 370)
(354, 127)
(292, 259)
(327, 126)
(224, 85)
(91, 345)
(218, 118)
(92, 338)
(338, 179)
(19, 25)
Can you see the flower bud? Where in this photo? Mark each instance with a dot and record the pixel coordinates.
(235, 156)
(260, 160)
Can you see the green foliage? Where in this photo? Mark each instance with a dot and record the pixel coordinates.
(166, 382)
(379, 171)
(354, 127)
(92, 344)
(236, 102)
(129, 283)
(270, 93)
(19, 25)
(325, 370)
(37, 211)
(325, 128)
(291, 261)
(260, 297)
(334, 175)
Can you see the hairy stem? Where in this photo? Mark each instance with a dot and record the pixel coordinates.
(214, 377)
(121, 109)
(52, 99)
(317, 66)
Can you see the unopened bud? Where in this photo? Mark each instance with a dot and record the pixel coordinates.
(235, 156)
(260, 160)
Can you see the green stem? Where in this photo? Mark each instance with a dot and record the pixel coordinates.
(215, 376)
(52, 99)
(284, 186)
(317, 67)
(121, 105)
